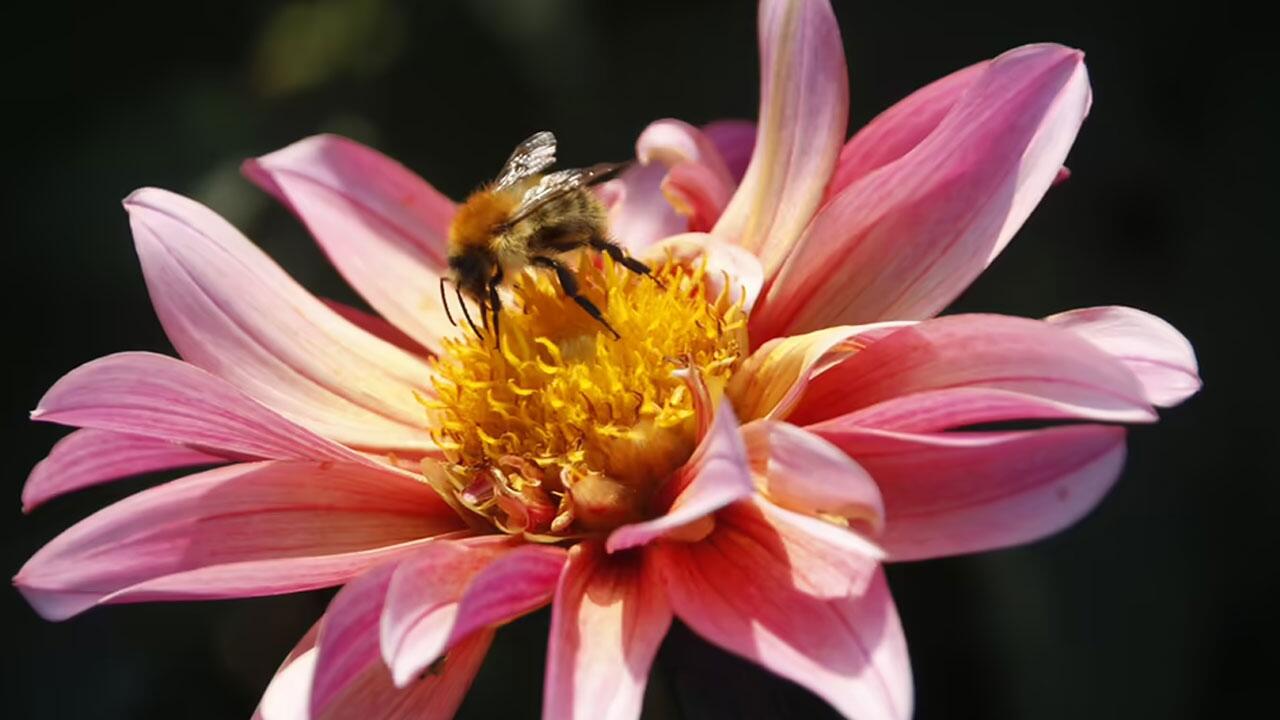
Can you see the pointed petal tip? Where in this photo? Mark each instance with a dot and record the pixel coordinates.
(144, 197)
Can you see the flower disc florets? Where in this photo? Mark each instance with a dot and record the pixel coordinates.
(559, 429)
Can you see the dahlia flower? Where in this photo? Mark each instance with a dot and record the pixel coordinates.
(782, 413)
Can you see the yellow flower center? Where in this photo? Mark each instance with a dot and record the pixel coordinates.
(562, 430)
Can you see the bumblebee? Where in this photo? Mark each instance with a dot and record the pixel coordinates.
(527, 218)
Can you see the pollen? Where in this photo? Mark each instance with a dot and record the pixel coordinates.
(560, 430)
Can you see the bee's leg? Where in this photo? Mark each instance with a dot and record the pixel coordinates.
(569, 284)
(615, 251)
(467, 314)
(444, 300)
(495, 301)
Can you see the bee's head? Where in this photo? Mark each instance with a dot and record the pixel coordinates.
(472, 268)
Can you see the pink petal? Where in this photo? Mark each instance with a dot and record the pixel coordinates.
(169, 400)
(383, 227)
(698, 183)
(288, 695)
(715, 476)
(229, 309)
(448, 591)
(376, 327)
(91, 457)
(953, 493)
(250, 529)
(735, 140)
(773, 378)
(904, 240)
(800, 471)
(350, 680)
(804, 105)
(956, 407)
(896, 131)
(986, 351)
(641, 214)
(606, 625)
(697, 193)
(738, 590)
(723, 260)
(1157, 354)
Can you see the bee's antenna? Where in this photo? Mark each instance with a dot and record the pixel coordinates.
(467, 314)
(444, 300)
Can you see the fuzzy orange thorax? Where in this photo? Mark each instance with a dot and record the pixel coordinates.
(475, 220)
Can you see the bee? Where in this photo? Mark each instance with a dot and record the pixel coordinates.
(526, 218)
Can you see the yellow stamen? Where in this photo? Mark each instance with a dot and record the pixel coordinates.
(562, 430)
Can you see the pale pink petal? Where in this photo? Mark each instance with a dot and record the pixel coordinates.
(671, 142)
(167, 399)
(735, 140)
(896, 131)
(350, 679)
(773, 378)
(250, 529)
(376, 327)
(383, 227)
(724, 261)
(698, 183)
(91, 457)
(716, 475)
(956, 407)
(697, 193)
(1030, 357)
(1161, 358)
(232, 311)
(804, 107)
(450, 590)
(607, 622)
(288, 695)
(641, 215)
(738, 590)
(953, 493)
(347, 645)
(800, 471)
(904, 240)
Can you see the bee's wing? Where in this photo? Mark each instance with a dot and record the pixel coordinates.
(561, 182)
(530, 157)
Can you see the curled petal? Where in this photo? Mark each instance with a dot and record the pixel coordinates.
(1016, 355)
(954, 493)
(606, 624)
(245, 530)
(804, 100)
(800, 471)
(724, 262)
(449, 591)
(229, 309)
(698, 183)
(91, 457)
(904, 240)
(697, 193)
(169, 400)
(896, 131)
(743, 592)
(1157, 354)
(641, 214)
(716, 475)
(350, 679)
(774, 377)
(383, 227)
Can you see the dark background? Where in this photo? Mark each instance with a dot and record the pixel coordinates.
(1158, 605)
